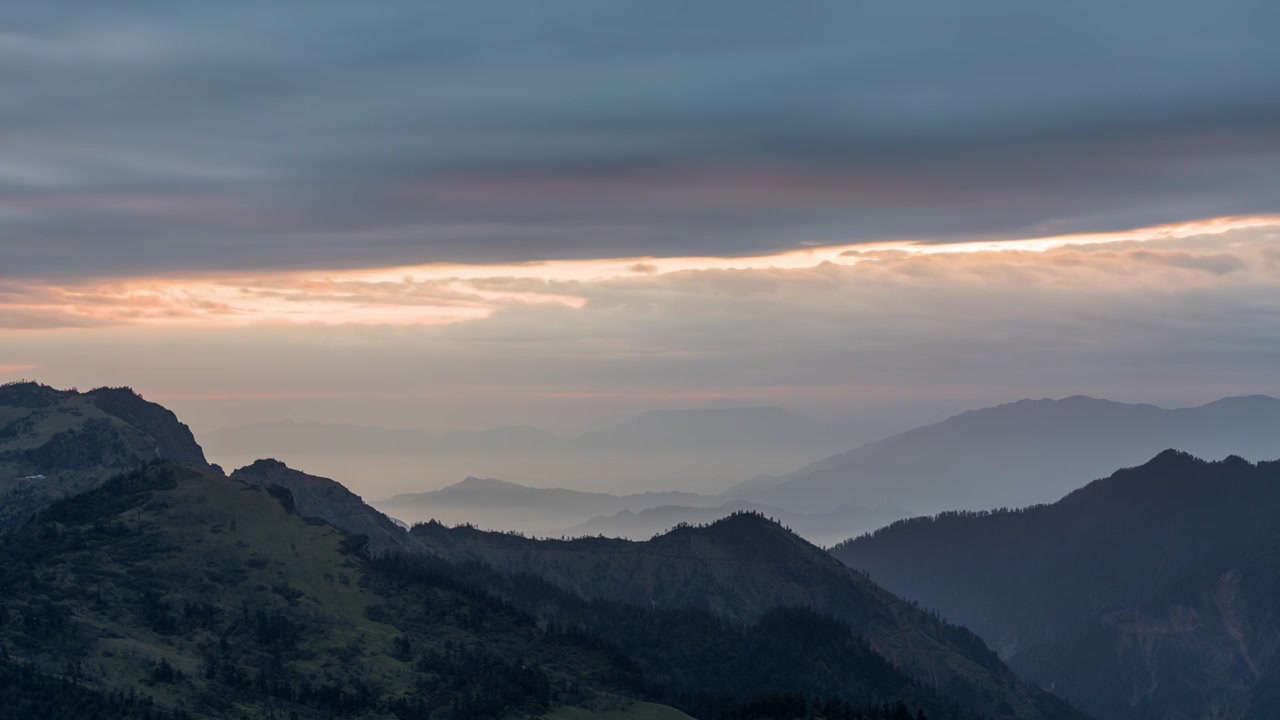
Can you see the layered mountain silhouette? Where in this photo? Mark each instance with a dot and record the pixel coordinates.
(170, 590)
(684, 430)
(700, 450)
(1022, 453)
(505, 505)
(1148, 594)
(743, 567)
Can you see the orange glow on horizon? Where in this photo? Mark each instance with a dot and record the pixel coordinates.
(440, 294)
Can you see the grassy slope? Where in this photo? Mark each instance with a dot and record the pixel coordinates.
(179, 567)
(77, 440)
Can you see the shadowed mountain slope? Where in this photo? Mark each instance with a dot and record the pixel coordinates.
(1140, 594)
(742, 567)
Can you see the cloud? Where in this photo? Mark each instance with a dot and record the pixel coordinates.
(438, 294)
(1197, 311)
(237, 136)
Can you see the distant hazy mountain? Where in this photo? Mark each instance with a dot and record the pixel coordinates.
(656, 431)
(1149, 594)
(821, 528)
(1022, 453)
(486, 492)
(504, 505)
(694, 450)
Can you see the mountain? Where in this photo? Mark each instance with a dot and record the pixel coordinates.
(321, 498)
(511, 506)
(170, 590)
(1149, 593)
(1207, 647)
(691, 450)
(821, 528)
(654, 431)
(742, 568)
(58, 442)
(173, 591)
(1023, 453)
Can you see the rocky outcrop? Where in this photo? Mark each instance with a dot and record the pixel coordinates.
(324, 499)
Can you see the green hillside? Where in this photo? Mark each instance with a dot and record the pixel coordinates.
(173, 591)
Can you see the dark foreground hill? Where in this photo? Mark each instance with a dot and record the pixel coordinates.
(173, 591)
(1149, 594)
(59, 442)
(741, 569)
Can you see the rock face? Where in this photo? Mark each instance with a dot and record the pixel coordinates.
(325, 499)
(174, 440)
(58, 442)
(1148, 594)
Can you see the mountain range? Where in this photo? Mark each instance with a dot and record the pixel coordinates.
(139, 581)
(1022, 453)
(673, 430)
(173, 590)
(558, 512)
(822, 528)
(1148, 594)
(693, 450)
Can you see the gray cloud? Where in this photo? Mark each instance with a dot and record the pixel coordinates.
(143, 136)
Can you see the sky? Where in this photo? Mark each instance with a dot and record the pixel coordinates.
(469, 214)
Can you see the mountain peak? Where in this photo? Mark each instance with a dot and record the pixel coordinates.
(471, 482)
(266, 465)
(1173, 456)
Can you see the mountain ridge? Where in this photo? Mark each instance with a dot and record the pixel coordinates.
(984, 457)
(1129, 582)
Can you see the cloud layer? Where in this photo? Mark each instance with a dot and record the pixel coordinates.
(1175, 317)
(157, 137)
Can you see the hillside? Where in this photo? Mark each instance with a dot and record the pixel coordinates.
(743, 567)
(58, 442)
(173, 592)
(1208, 646)
(1022, 453)
(823, 528)
(325, 499)
(1134, 578)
